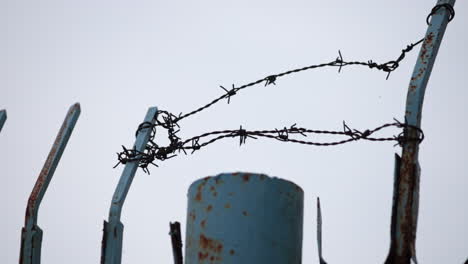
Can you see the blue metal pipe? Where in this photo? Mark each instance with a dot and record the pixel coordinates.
(244, 218)
(111, 252)
(31, 236)
(407, 175)
(3, 118)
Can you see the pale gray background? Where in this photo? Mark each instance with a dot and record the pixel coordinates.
(117, 58)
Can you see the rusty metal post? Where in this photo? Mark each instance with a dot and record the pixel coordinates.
(176, 241)
(3, 118)
(31, 236)
(244, 218)
(111, 252)
(407, 171)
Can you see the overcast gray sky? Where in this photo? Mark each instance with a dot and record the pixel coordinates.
(117, 58)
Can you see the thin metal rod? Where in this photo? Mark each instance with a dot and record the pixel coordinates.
(3, 118)
(319, 232)
(176, 240)
(111, 252)
(406, 193)
(31, 233)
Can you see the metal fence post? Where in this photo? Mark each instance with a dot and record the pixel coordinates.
(407, 173)
(111, 252)
(244, 218)
(3, 118)
(31, 236)
(319, 232)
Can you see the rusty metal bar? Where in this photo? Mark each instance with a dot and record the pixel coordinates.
(3, 118)
(111, 252)
(31, 236)
(407, 174)
(176, 240)
(319, 232)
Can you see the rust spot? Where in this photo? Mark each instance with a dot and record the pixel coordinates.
(218, 180)
(245, 213)
(215, 194)
(412, 87)
(209, 244)
(423, 53)
(198, 196)
(209, 208)
(430, 38)
(419, 74)
(206, 178)
(231, 252)
(212, 188)
(246, 177)
(202, 256)
(425, 44)
(192, 215)
(203, 223)
(235, 174)
(227, 205)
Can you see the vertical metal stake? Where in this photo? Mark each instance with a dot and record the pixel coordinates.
(31, 236)
(3, 118)
(176, 240)
(406, 192)
(111, 252)
(319, 232)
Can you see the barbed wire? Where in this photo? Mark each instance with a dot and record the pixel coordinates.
(339, 62)
(155, 152)
(170, 122)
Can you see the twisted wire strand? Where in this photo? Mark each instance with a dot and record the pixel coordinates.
(170, 122)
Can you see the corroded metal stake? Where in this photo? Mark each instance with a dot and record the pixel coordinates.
(111, 252)
(176, 240)
(407, 172)
(3, 118)
(31, 236)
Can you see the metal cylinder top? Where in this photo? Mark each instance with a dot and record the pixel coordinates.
(244, 218)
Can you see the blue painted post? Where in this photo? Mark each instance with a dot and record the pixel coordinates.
(407, 171)
(244, 218)
(31, 236)
(3, 118)
(111, 252)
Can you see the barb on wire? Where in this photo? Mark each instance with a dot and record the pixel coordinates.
(229, 93)
(270, 80)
